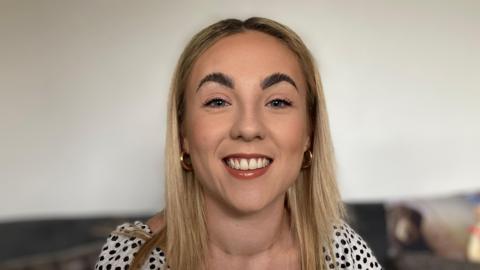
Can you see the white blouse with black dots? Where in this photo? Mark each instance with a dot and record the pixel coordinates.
(351, 251)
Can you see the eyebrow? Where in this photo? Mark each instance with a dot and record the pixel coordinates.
(217, 77)
(276, 78)
(226, 81)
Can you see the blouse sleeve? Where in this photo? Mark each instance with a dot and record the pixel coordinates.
(118, 252)
(351, 251)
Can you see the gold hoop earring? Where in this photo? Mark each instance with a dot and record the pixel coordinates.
(183, 157)
(308, 163)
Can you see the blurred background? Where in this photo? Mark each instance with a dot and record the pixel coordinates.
(83, 93)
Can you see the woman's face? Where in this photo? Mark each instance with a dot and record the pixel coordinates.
(246, 121)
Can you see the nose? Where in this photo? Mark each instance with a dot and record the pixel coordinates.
(248, 124)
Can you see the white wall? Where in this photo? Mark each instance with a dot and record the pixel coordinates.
(83, 87)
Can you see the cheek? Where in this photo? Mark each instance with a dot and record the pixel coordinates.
(204, 133)
(290, 132)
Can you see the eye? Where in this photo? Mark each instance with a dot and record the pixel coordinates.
(280, 103)
(215, 102)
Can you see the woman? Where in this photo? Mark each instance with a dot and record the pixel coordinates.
(249, 175)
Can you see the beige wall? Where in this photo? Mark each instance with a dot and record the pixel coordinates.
(83, 87)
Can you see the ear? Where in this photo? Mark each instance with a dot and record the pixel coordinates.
(307, 144)
(185, 146)
(184, 142)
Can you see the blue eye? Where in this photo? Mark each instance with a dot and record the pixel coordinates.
(280, 103)
(215, 102)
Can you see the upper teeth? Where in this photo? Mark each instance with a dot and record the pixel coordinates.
(247, 164)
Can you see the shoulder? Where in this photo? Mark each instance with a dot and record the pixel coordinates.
(350, 250)
(157, 222)
(123, 244)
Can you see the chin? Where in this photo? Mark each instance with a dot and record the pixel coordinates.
(245, 205)
(247, 209)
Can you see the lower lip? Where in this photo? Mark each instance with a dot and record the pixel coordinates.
(248, 174)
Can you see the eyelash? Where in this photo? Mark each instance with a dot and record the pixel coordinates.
(286, 102)
(210, 101)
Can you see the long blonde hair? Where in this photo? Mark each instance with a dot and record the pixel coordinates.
(313, 201)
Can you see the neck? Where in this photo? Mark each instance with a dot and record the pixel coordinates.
(242, 236)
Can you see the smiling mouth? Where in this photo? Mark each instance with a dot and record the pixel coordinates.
(246, 164)
(247, 168)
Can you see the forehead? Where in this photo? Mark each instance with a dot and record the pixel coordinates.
(250, 54)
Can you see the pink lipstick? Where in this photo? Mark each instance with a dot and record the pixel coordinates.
(247, 174)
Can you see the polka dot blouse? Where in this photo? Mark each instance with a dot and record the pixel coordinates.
(351, 251)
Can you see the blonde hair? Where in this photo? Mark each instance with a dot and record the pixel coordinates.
(313, 201)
